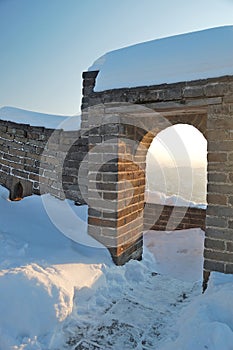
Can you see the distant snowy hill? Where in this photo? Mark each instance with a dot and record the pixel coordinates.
(52, 121)
(198, 55)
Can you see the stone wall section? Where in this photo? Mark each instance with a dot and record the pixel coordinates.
(89, 79)
(219, 221)
(41, 160)
(48, 161)
(207, 105)
(165, 217)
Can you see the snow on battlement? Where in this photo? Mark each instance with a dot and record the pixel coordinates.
(191, 56)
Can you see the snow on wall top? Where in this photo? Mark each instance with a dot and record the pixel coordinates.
(197, 55)
(50, 121)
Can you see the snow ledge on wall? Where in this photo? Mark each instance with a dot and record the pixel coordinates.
(49, 121)
(191, 56)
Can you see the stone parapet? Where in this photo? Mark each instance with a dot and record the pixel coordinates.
(41, 160)
(165, 217)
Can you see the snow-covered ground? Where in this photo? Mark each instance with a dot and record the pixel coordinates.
(59, 294)
(50, 121)
(197, 55)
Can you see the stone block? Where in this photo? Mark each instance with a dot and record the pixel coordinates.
(20, 174)
(193, 91)
(219, 233)
(211, 265)
(218, 256)
(216, 221)
(229, 268)
(216, 89)
(219, 157)
(214, 244)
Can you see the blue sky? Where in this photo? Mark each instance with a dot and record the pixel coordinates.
(47, 44)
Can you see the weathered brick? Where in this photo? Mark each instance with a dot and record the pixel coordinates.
(216, 221)
(101, 222)
(34, 177)
(219, 124)
(223, 146)
(231, 177)
(230, 200)
(213, 135)
(217, 177)
(216, 89)
(222, 211)
(193, 91)
(229, 246)
(220, 188)
(19, 173)
(229, 268)
(219, 233)
(230, 224)
(211, 265)
(214, 244)
(12, 158)
(219, 157)
(218, 256)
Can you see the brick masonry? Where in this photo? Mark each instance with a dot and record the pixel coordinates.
(207, 105)
(41, 160)
(165, 218)
(116, 131)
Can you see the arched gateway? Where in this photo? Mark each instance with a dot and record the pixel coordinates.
(103, 163)
(121, 124)
(129, 95)
(118, 146)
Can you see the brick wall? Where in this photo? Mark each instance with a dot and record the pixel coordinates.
(205, 104)
(47, 161)
(42, 160)
(163, 217)
(219, 221)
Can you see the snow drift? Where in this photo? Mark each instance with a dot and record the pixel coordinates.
(52, 287)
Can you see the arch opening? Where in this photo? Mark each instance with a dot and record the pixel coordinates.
(17, 192)
(175, 196)
(176, 167)
(119, 223)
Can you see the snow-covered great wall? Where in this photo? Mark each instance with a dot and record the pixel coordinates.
(40, 159)
(46, 160)
(200, 93)
(185, 79)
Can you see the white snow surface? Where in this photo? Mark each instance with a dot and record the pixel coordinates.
(50, 121)
(190, 56)
(59, 294)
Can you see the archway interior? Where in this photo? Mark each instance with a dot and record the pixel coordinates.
(176, 174)
(176, 165)
(17, 193)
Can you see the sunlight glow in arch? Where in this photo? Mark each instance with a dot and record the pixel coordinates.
(168, 142)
